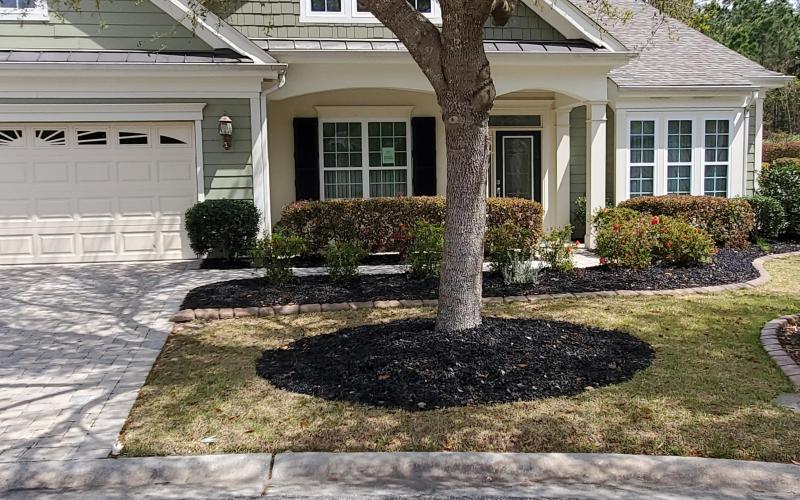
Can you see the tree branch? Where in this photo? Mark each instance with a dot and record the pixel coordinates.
(502, 10)
(418, 34)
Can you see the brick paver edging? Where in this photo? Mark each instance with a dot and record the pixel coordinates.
(769, 339)
(186, 315)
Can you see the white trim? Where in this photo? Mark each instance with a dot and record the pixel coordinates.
(363, 112)
(101, 112)
(198, 159)
(365, 168)
(257, 132)
(38, 12)
(350, 14)
(213, 30)
(759, 142)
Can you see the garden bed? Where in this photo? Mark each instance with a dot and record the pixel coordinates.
(409, 365)
(729, 266)
(789, 337)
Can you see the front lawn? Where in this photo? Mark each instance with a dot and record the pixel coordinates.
(707, 393)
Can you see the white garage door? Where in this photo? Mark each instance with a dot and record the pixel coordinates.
(81, 192)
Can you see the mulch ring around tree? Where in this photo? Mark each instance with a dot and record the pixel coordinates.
(729, 266)
(408, 365)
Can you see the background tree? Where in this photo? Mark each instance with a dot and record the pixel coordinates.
(768, 32)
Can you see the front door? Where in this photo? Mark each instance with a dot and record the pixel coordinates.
(518, 165)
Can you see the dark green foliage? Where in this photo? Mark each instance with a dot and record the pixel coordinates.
(274, 254)
(342, 258)
(770, 216)
(222, 228)
(781, 180)
(506, 243)
(425, 255)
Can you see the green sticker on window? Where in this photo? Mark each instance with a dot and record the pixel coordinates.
(388, 155)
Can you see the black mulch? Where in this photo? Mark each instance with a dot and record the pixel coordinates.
(408, 365)
(729, 266)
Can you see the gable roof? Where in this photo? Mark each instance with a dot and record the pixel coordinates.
(214, 31)
(671, 54)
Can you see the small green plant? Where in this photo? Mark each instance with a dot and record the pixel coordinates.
(222, 228)
(425, 256)
(770, 216)
(520, 271)
(274, 254)
(763, 245)
(506, 242)
(556, 249)
(580, 209)
(342, 258)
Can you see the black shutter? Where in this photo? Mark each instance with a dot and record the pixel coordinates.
(306, 158)
(423, 142)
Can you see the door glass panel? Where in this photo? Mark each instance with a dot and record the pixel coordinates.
(518, 166)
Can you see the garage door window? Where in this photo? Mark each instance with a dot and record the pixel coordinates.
(92, 138)
(132, 138)
(11, 138)
(51, 137)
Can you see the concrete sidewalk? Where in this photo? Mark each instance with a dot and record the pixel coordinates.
(402, 475)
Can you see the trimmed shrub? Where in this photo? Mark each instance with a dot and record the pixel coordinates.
(770, 216)
(383, 224)
(507, 242)
(556, 249)
(274, 255)
(641, 241)
(781, 180)
(222, 228)
(342, 259)
(679, 243)
(425, 255)
(729, 221)
(776, 150)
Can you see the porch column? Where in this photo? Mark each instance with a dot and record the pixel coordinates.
(595, 164)
(260, 159)
(562, 198)
(759, 135)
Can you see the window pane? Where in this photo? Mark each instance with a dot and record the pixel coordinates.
(318, 5)
(387, 144)
(642, 142)
(679, 179)
(388, 183)
(679, 150)
(716, 180)
(340, 148)
(641, 181)
(343, 184)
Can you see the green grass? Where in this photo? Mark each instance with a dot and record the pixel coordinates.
(708, 392)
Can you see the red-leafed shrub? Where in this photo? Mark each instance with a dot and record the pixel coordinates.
(729, 221)
(385, 224)
(775, 150)
(639, 241)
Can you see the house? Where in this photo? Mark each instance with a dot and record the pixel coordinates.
(109, 115)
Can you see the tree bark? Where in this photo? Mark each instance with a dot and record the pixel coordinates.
(454, 61)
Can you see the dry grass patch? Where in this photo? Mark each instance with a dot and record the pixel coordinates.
(707, 393)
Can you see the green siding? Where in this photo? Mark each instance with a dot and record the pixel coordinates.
(228, 174)
(281, 19)
(750, 185)
(577, 163)
(109, 25)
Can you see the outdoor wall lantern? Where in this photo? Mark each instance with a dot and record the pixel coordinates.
(226, 130)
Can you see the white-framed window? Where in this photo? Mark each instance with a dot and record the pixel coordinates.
(716, 158)
(353, 11)
(365, 158)
(23, 10)
(679, 156)
(642, 157)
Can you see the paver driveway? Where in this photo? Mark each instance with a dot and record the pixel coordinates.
(76, 344)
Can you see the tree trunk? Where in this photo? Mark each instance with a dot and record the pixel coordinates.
(461, 283)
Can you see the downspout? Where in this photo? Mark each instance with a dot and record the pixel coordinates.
(265, 145)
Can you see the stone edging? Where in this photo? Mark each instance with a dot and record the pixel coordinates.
(186, 315)
(771, 344)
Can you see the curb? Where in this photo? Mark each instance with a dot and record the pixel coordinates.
(520, 474)
(242, 474)
(771, 344)
(186, 315)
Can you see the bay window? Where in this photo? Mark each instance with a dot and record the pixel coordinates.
(642, 157)
(679, 157)
(716, 157)
(365, 158)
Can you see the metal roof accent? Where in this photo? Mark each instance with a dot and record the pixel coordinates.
(122, 57)
(491, 46)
